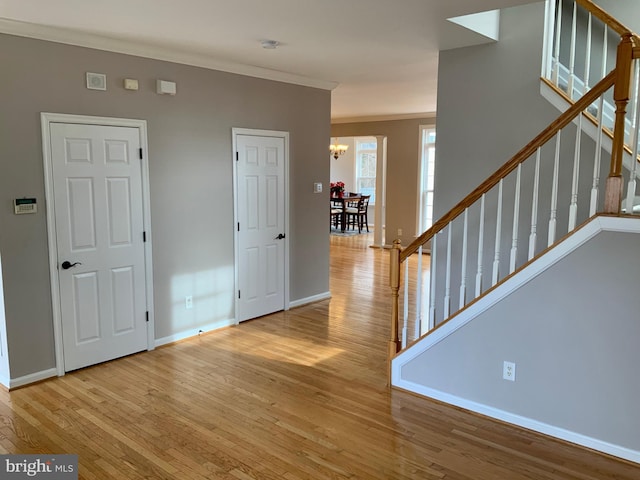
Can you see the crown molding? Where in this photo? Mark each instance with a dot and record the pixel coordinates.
(386, 118)
(98, 42)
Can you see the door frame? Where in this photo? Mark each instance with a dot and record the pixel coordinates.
(259, 133)
(46, 120)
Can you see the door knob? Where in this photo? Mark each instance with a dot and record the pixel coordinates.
(66, 265)
(280, 236)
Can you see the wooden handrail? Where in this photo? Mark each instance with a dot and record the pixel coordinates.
(548, 133)
(610, 21)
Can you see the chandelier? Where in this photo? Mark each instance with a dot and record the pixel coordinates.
(337, 149)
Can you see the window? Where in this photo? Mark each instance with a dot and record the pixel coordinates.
(366, 152)
(427, 171)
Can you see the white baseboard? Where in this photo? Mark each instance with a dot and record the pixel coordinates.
(52, 372)
(524, 422)
(312, 299)
(31, 378)
(194, 332)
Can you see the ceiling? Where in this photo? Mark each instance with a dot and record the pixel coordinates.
(379, 57)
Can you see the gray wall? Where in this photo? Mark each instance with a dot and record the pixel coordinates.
(403, 162)
(489, 107)
(574, 344)
(489, 104)
(190, 164)
(625, 11)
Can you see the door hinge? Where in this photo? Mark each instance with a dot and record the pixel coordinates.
(147, 315)
(144, 237)
(238, 294)
(238, 226)
(237, 156)
(140, 153)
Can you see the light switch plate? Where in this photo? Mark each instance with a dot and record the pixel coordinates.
(317, 187)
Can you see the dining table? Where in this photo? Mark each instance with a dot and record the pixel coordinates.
(342, 203)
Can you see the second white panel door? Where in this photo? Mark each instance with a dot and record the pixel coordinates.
(260, 184)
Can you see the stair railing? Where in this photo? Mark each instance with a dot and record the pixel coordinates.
(472, 250)
(580, 49)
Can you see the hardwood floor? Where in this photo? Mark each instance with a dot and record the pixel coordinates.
(295, 395)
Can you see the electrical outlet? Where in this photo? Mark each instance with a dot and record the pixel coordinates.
(509, 371)
(399, 232)
(188, 302)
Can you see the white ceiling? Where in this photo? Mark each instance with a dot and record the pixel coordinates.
(380, 55)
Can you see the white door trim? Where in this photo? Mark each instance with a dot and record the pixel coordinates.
(46, 120)
(260, 133)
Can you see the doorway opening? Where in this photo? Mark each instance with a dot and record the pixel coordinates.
(362, 169)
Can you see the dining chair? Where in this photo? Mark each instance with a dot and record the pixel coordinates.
(357, 214)
(336, 214)
(335, 209)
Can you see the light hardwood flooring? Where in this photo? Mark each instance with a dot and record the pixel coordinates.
(295, 395)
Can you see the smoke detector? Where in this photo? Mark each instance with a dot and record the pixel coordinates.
(269, 44)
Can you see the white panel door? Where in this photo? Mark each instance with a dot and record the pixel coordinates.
(261, 237)
(97, 181)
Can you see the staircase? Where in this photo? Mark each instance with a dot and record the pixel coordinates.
(515, 241)
(577, 35)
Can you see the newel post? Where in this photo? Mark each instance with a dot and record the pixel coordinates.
(621, 93)
(394, 283)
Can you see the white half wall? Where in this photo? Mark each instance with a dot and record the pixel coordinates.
(571, 328)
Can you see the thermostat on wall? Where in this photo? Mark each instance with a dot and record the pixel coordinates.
(25, 205)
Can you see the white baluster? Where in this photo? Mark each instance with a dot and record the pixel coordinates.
(631, 188)
(634, 104)
(556, 53)
(496, 257)
(572, 53)
(417, 326)
(480, 248)
(573, 206)
(593, 207)
(605, 51)
(547, 46)
(406, 303)
(554, 194)
(447, 289)
(533, 237)
(463, 273)
(516, 222)
(432, 275)
(587, 60)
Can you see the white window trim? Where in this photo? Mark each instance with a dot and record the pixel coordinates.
(374, 151)
(423, 145)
